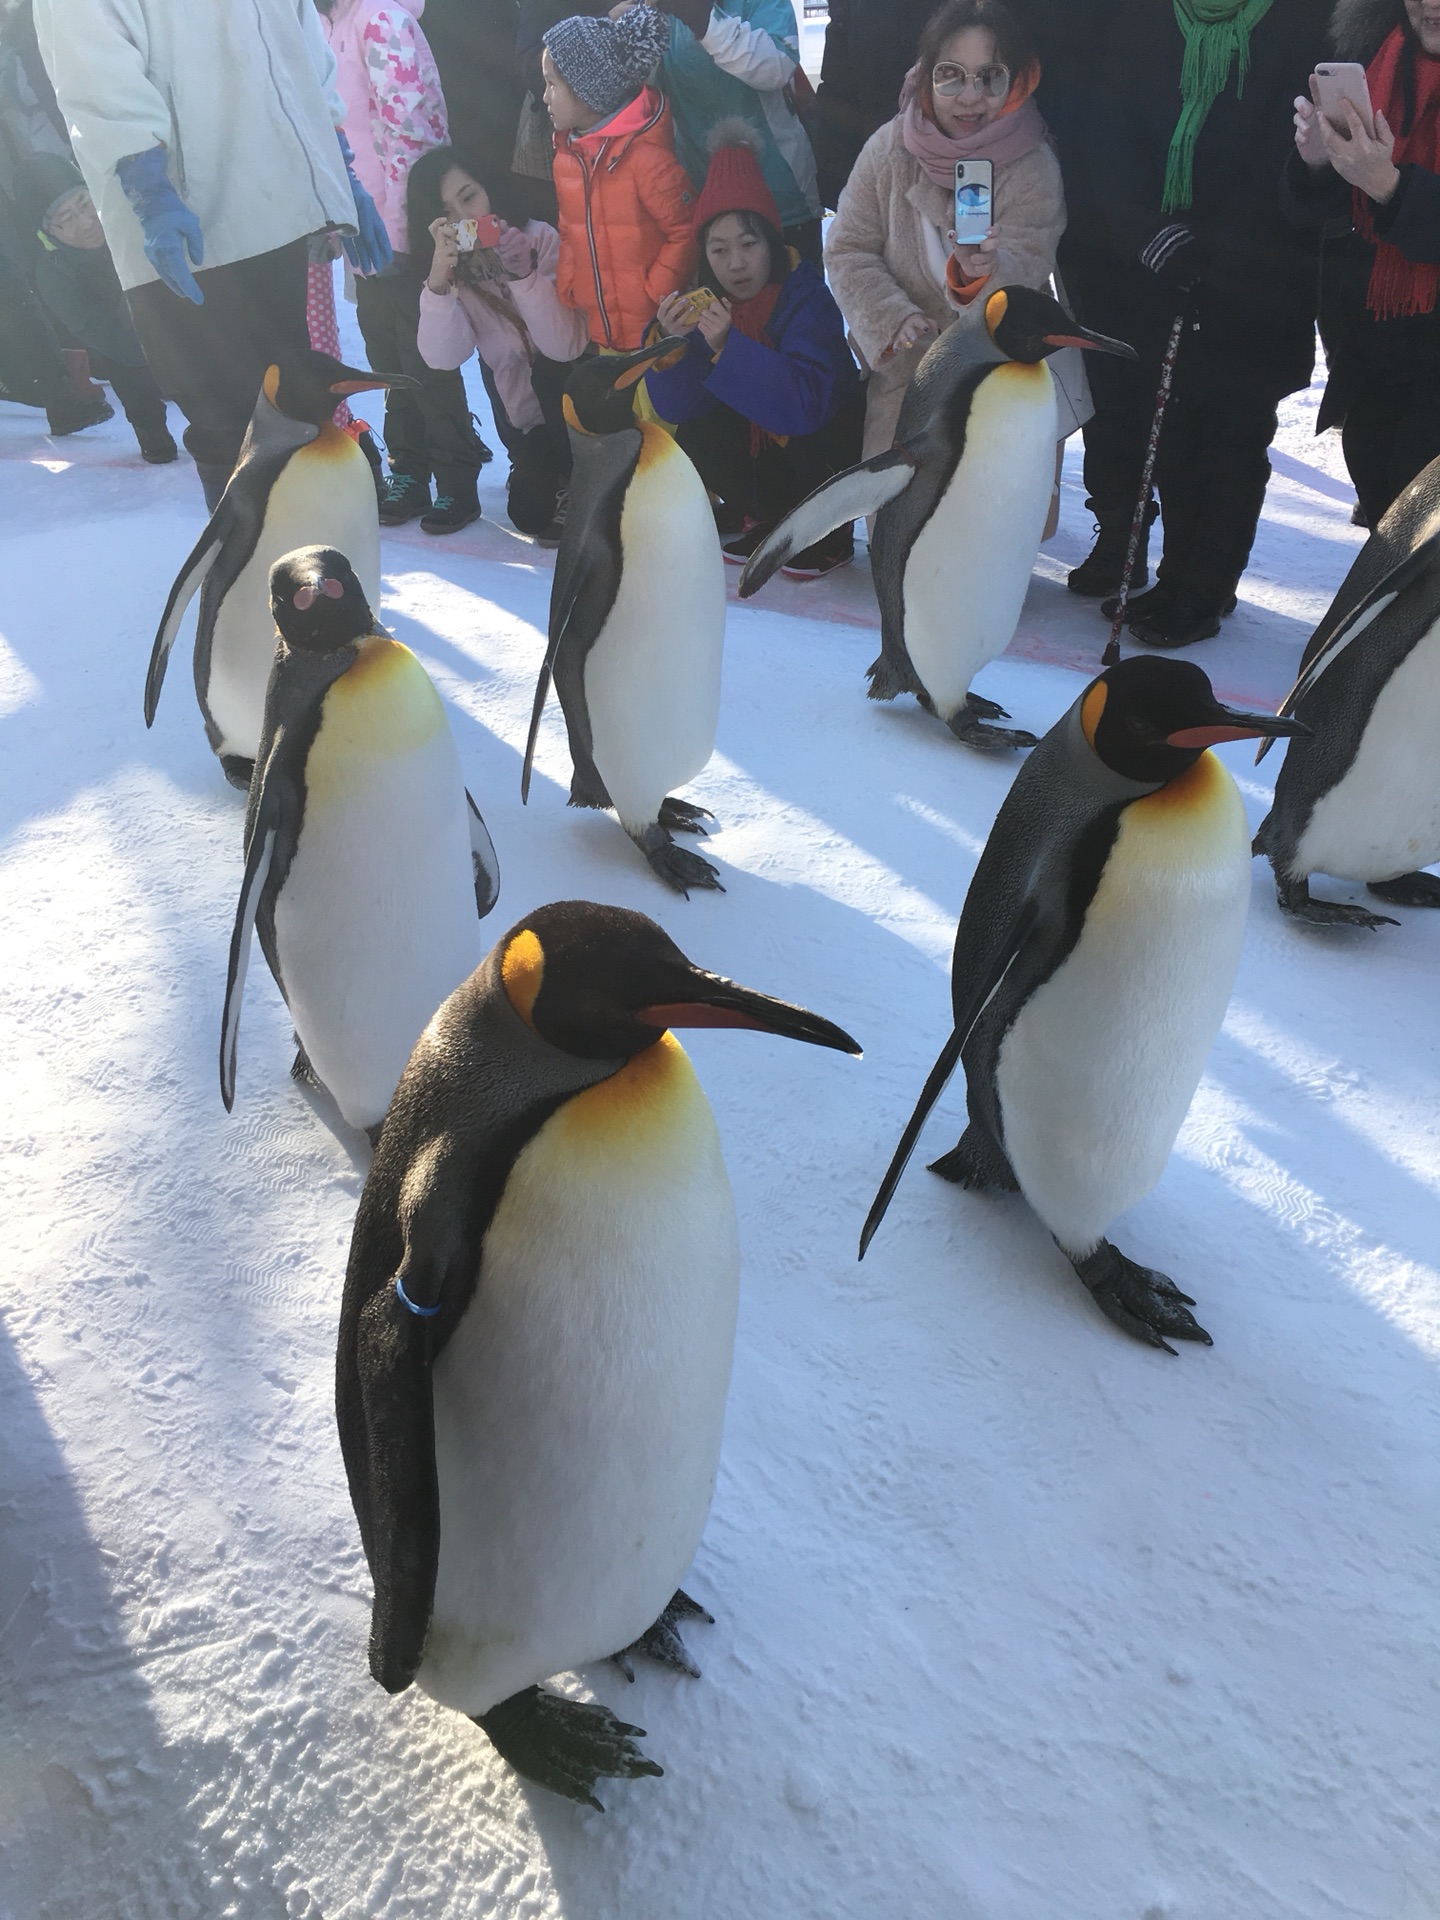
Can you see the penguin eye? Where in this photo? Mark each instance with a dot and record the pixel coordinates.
(332, 589)
(305, 599)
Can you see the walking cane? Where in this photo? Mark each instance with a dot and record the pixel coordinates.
(1111, 655)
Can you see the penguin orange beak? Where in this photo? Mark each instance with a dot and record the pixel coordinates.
(1092, 343)
(637, 365)
(1240, 726)
(371, 382)
(720, 1003)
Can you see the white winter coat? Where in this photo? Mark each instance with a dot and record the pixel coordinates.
(241, 95)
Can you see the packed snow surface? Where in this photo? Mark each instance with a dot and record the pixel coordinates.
(1016, 1620)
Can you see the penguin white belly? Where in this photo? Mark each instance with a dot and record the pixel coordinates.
(580, 1402)
(376, 923)
(969, 569)
(1096, 1073)
(1383, 817)
(323, 496)
(652, 676)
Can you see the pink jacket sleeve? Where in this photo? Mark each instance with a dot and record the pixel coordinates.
(558, 331)
(445, 337)
(407, 110)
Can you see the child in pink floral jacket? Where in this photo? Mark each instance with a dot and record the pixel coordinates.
(394, 112)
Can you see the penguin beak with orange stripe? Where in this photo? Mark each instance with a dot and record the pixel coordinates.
(1027, 325)
(600, 392)
(308, 385)
(712, 1001)
(1234, 723)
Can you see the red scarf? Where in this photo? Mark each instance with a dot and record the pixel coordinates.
(753, 318)
(1399, 286)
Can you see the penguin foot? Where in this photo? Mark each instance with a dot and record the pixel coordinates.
(683, 816)
(977, 704)
(237, 771)
(1295, 899)
(676, 866)
(662, 1642)
(971, 730)
(1143, 1303)
(565, 1745)
(886, 682)
(1408, 890)
(302, 1070)
(978, 1163)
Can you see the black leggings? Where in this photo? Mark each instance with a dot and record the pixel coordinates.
(769, 483)
(1391, 433)
(540, 458)
(427, 428)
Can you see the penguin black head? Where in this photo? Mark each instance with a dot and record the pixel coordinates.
(605, 983)
(305, 385)
(317, 602)
(600, 392)
(1150, 720)
(1028, 325)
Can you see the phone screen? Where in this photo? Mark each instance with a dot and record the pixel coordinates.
(974, 189)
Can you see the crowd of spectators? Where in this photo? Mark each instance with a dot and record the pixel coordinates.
(534, 180)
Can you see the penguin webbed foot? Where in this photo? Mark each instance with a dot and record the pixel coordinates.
(301, 1069)
(971, 727)
(1143, 1303)
(678, 867)
(563, 1745)
(1296, 899)
(237, 771)
(976, 1162)
(1407, 890)
(683, 816)
(662, 1642)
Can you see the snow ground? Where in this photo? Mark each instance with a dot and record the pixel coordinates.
(1016, 1620)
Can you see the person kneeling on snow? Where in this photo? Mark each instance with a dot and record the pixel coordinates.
(766, 398)
(497, 297)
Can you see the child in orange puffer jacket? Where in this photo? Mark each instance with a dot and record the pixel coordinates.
(626, 204)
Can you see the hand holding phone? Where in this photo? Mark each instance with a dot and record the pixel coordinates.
(1336, 81)
(482, 232)
(974, 200)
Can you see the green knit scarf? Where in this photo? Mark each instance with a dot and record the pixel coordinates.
(1217, 33)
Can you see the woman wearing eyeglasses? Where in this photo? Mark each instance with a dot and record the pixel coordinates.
(895, 270)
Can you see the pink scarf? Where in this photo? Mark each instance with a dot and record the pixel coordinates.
(1015, 132)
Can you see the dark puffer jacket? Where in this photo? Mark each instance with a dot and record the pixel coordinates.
(793, 388)
(1360, 349)
(870, 46)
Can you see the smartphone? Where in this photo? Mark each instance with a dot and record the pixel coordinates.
(1337, 81)
(974, 198)
(484, 232)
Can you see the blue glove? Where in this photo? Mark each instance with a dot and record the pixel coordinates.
(369, 250)
(169, 225)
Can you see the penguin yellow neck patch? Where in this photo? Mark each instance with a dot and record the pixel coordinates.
(1091, 708)
(1198, 790)
(655, 446)
(648, 1096)
(522, 969)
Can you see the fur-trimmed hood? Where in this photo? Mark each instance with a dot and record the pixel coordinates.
(1357, 27)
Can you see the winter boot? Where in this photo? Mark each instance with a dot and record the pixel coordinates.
(1103, 570)
(68, 412)
(156, 445)
(451, 512)
(404, 499)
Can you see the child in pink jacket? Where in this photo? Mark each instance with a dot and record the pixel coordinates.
(500, 301)
(395, 113)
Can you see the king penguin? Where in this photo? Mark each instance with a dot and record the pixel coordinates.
(960, 503)
(367, 864)
(299, 481)
(1360, 797)
(637, 618)
(1094, 960)
(537, 1331)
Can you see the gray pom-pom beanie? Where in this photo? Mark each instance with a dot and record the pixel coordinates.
(606, 62)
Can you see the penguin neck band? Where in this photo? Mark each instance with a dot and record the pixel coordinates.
(425, 1313)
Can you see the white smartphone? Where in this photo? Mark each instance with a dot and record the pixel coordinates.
(974, 200)
(1337, 81)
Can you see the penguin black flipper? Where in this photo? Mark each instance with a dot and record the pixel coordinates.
(1357, 610)
(188, 581)
(484, 860)
(849, 496)
(587, 580)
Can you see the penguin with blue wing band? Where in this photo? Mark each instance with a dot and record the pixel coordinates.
(1094, 960)
(368, 866)
(537, 1331)
(960, 503)
(1359, 796)
(300, 481)
(637, 619)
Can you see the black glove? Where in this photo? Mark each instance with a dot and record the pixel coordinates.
(1175, 257)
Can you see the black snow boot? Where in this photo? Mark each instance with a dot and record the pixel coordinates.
(451, 512)
(405, 498)
(1101, 572)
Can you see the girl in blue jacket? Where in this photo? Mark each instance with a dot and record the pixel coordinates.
(766, 399)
